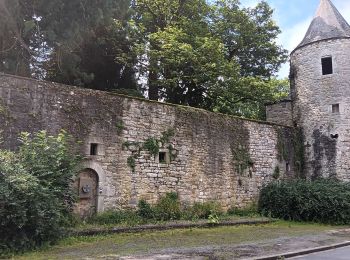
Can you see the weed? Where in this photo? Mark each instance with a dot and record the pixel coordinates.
(132, 163)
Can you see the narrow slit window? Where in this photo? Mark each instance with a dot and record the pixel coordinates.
(93, 149)
(327, 66)
(335, 109)
(287, 167)
(162, 157)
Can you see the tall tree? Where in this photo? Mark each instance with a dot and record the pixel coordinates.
(249, 35)
(72, 42)
(89, 58)
(16, 25)
(156, 16)
(216, 56)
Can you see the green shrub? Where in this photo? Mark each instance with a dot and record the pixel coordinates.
(213, 219)
(168, 207)
(204, 210)
(35, 192)
(145, 210)
(324, 201)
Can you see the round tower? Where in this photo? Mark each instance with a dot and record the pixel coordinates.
(320, 86)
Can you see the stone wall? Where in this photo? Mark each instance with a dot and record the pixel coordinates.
(203, 156)
(280, 113)
(326, 131)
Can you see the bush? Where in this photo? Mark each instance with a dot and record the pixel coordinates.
(145, 210)
(35, 192)
(204, 210)
(324, 201)
(168, 207)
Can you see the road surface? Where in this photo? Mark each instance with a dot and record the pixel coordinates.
(335, 254)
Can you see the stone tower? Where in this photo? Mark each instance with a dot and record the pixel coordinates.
(320, 86)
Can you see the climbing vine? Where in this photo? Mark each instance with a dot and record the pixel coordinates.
(5, 112)
(132, 163)
(152, 145)
(120, 127)
(276, 173)
(167, 135)
(242, 159)
(298, 144)
(282, 151)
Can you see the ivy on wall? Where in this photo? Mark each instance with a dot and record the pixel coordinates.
(282, 149)
(152, 145)
(120, 127)
(299, 152)
(290, 148)
(242, 159)
(5, 112)
(276, 173)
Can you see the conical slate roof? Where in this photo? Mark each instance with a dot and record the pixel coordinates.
(328, 23)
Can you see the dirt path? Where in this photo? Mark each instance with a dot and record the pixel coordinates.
(218, 243)
(249, 250)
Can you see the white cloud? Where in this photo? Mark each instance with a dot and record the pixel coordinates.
(291, 37)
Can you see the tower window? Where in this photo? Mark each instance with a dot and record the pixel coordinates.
(327, 65)
(335, 109)
(93, 149)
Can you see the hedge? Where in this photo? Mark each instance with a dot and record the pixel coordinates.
(323, 201)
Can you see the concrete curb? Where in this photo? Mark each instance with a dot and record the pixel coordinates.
(303, 252)
(117, 230)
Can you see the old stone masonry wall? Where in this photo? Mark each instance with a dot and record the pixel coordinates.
(321, 107)
(142, 149)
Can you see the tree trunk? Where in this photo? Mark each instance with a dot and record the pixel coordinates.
(153, 88)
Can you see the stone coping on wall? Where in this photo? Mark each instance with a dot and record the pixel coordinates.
(99, 92)
(278, 102)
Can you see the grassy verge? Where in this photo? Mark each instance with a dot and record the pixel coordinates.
(85, 226)
(150, 242)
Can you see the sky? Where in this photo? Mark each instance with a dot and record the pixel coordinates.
(294, 18)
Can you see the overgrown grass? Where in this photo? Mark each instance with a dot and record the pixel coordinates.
(150, 242)
(127, 217)
(168, 208)
(249, 211)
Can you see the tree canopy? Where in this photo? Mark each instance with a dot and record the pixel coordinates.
(214, 55)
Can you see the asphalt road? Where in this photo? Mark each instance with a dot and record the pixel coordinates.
(335, 254)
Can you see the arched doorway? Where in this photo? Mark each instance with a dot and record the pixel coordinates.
(87, 191)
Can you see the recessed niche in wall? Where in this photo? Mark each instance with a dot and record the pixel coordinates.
(335, 109)
(163, 157)
(93, 149)
(287, 167)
